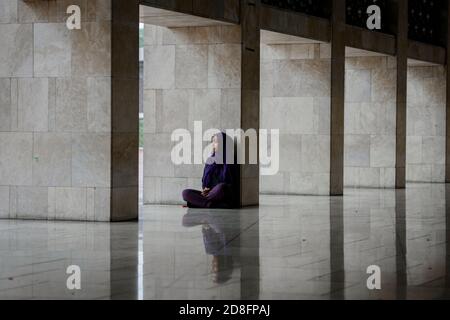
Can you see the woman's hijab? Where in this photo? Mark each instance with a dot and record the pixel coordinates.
(217, 169)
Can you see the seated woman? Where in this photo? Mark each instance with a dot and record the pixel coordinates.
(218, 179)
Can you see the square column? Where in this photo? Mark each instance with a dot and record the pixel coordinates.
(125, 110)
(250, 86)
(337, 98)
(447, 141)
(402, 67)
(68, 115)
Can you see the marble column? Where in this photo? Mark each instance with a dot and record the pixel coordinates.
(402, 66)
(447, 141)
(69, 111)
(125, 110)
(337, 98)
(250, 85)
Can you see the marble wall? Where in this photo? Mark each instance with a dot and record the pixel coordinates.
(370, 121)
(191, 74)
(55, 111)
(295, 98)
(425, 147)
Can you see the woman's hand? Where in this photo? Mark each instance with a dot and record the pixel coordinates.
(205, 192)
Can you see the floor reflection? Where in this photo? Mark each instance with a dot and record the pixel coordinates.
(337, 260)
(446, 294)
(288, 248)
(125, 267)
(218, 232)
(400, 244)
(230, 239)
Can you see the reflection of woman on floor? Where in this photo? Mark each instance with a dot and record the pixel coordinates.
(218, 179)
(216, 239)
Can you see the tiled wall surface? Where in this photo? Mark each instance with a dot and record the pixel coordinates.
(370, 122)
(55, 111)
(191, 74)
(55, 102)
(425, 148)
(295, 98)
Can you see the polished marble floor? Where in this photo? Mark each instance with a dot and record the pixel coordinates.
(289, 248)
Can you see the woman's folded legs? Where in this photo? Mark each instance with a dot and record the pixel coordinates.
(215, 197)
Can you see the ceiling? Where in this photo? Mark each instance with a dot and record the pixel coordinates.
(172, 19)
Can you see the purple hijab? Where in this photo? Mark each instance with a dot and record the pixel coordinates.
(216, 169)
